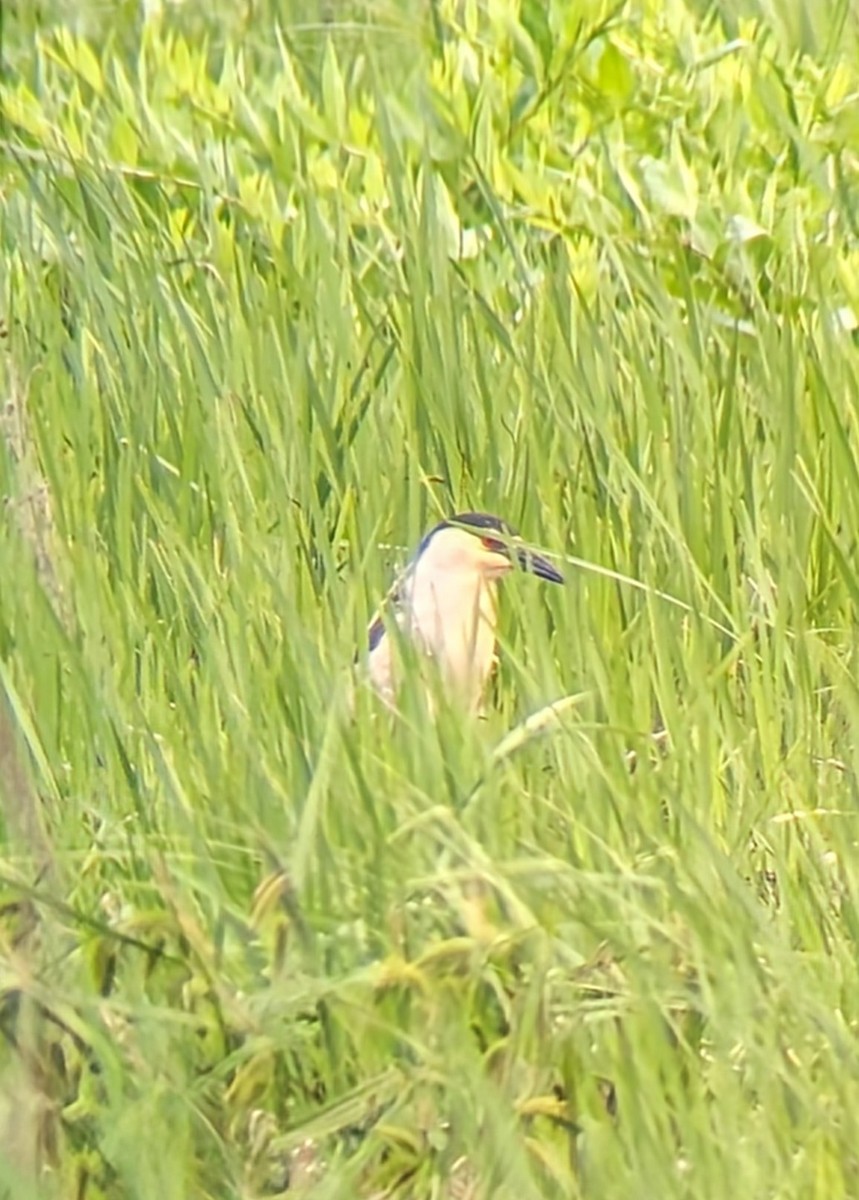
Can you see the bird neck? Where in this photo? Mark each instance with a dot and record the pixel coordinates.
(454, 618)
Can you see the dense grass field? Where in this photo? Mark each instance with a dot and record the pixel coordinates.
(283, 283)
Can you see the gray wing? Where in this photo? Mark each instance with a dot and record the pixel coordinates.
(375, 633)
(380, 660)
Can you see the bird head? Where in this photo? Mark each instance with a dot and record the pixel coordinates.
(482, 543)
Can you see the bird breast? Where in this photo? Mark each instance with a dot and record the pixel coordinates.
(455, 625)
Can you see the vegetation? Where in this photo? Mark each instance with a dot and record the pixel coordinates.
(283, 282)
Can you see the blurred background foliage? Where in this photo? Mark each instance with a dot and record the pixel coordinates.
(282, 283)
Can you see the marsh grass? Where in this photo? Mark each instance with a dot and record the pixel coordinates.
(275, 299)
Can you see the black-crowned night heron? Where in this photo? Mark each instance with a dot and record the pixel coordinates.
(446, 604)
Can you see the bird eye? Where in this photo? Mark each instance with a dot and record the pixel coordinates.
(493, 544)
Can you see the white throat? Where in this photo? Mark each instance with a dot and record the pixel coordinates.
(452, 615)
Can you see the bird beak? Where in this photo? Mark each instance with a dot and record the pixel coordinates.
(537, 565)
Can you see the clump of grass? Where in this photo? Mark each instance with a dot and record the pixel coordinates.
(278, 293)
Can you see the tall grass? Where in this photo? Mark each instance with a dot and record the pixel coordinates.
(280, 288)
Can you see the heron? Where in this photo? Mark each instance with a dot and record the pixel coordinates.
(445, 603)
